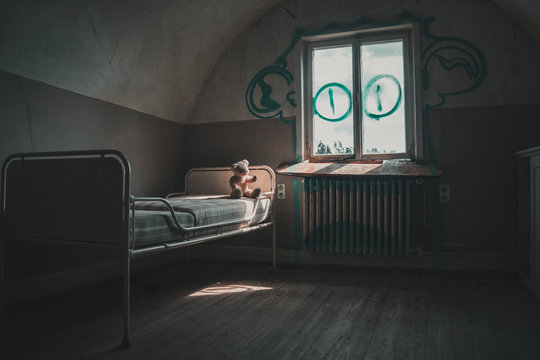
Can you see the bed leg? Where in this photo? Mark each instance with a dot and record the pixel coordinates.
(2, 278)
(274, 255)
(126, 341)
(274, 236)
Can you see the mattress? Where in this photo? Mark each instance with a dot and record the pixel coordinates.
(154, 224)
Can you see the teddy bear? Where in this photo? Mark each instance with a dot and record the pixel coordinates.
(240, 180)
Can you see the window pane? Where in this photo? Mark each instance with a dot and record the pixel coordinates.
(332, 101)
(383, 100)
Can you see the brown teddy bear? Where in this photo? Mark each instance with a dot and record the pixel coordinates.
(240, 180)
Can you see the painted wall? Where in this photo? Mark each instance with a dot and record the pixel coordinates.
(65, 64)
(465, 134)
(154, 56)
(265, 142)
(511, 53)
(526, 11)
(39, 117)
(151, 56)
(476, 146)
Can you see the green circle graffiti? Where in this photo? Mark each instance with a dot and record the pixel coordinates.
(378, 89)
(345, 111)
(466, 55)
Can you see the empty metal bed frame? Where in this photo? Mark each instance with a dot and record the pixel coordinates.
(84, 198)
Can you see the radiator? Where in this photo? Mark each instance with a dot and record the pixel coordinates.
(356, 216)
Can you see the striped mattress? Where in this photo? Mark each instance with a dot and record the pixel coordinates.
(154, 224)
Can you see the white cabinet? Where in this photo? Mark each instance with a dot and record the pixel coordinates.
(529, 219)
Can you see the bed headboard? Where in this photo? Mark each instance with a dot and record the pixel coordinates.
(215, 180)
(76, 196)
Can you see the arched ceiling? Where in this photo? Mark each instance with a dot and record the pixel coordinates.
(526, 12)
(151, 56)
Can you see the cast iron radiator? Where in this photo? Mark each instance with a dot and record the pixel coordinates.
(357, 216)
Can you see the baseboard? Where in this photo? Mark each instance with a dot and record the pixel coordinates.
(50, 284)
(450, 262)
(47, 285)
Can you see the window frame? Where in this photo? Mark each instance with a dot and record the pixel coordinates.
(408, 33)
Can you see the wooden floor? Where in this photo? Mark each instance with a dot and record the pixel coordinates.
(236, 312)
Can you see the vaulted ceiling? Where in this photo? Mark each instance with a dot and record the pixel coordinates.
(526, 12)
(151, 56)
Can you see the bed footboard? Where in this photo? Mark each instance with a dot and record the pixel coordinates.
(77, 198)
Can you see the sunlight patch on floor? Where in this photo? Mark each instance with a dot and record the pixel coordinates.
(228, 289)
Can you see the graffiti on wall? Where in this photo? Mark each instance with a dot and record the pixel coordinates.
(259, 93)
(447, 56)
(443, 58)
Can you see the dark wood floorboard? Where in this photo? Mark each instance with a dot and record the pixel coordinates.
(256, 313)
(440, 317)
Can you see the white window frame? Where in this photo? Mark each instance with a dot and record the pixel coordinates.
(413, 121)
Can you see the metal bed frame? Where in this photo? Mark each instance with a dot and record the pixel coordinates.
(126, 243)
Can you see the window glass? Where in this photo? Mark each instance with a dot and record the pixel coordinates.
(383, 97)
(360, 97)
(333, 112)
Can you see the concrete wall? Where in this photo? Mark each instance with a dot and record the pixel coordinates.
(471, 136)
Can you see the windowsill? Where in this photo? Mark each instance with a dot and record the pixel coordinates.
(385, 168)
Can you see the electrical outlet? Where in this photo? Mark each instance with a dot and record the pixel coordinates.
(444, 194)
(281, 191)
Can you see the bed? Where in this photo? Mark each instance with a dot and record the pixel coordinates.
(84, 198)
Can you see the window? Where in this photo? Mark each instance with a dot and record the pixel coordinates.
(360, 98)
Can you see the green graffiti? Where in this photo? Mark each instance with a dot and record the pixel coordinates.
(379, 104)
(332, 105)
(266, 107)
(450, 53)
(297, 218)
(269, 108)
(290, 98)
(329, 86)
(467, 57)
(378, 91)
